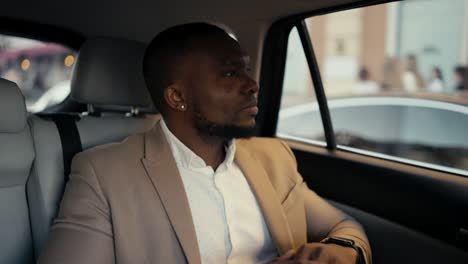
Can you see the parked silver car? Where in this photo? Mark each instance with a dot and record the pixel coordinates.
(413, 128)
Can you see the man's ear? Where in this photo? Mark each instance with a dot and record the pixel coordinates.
(175, 97)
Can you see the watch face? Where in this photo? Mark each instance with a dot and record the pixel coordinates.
(340, 241)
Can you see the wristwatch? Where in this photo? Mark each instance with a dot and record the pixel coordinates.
(346, 243)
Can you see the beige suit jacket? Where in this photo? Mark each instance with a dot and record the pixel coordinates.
(125, 203)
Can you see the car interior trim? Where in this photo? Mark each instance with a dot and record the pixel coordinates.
(402, 236)
(303, 145)
(294, 142)
(41, 32)
(271, 76)
(403, 160)
(317, 83)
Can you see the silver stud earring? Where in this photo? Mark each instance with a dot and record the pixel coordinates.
(182, 107)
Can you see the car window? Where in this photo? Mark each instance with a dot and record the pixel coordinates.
(42, 70)
(299, 96)
(394, 78)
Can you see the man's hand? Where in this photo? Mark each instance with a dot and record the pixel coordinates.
(315, 253)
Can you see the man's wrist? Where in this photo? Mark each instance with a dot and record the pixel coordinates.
(345, 242)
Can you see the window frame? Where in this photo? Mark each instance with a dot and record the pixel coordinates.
(318, 85)
(274, 61)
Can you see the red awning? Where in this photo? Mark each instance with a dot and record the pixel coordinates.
(45, 49)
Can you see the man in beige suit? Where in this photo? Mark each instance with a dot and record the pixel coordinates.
(196, 189)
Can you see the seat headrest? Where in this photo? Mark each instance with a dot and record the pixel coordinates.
(12, 108)
(109, 72)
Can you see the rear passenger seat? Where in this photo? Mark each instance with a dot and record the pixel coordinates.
(16, 161)
(108, 77)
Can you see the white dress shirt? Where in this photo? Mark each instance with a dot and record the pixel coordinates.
(228, 221)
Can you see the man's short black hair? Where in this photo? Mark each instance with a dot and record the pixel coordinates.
(363, 74)
(460, 70)
(164, 51)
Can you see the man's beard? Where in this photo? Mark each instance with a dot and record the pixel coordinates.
(226, 131)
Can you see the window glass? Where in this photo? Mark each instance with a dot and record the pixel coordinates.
(42, 70)
(396, 82)
(299, 116)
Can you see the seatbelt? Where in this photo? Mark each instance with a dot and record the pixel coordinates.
(69, 137)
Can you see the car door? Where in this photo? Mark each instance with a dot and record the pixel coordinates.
(413, 206)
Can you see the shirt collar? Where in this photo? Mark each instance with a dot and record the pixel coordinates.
(186, 158)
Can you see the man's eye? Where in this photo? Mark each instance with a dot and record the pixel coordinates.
(230, 73)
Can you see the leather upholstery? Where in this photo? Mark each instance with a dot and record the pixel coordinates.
(106, 74)
(31, 159)
(110, 72)
(16, 160)
(46, 183)
(12, 108)
(112, 128)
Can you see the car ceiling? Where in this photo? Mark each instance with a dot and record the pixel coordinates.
(142, 19)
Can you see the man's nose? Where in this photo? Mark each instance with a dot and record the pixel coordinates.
(250, 86)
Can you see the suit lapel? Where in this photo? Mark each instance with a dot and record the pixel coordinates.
(266, 197)
(164, 174)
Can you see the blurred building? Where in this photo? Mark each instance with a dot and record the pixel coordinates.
(435, 31)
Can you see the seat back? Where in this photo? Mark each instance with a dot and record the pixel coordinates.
(115, 91)
(16, 161)
(47, 180)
